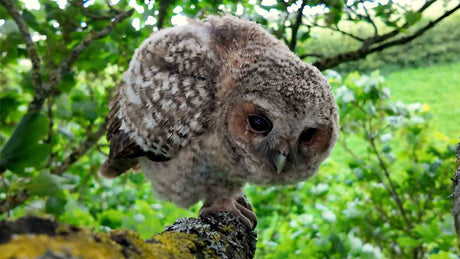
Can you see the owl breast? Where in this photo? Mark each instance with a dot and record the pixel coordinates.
(198, 172)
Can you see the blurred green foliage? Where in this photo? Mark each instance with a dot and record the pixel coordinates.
(382, 194)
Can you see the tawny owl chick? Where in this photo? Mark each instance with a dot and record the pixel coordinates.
(207, 107)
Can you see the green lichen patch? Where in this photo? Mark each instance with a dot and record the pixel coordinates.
(165, 245)
(220, 236)
(176, 244)
(224, 235)
(80, 245)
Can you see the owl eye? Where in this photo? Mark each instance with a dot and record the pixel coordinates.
(259, 124)
(307, 135)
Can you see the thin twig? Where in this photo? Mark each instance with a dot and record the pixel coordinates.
(13, 201)
(296, 25)
(31, 47)
(390, 181)
(40, 96)
(369, 19)
(306, 55)
(90, 141)
(337, 29)
(419, 32)
(365, 50)
(344, 145)
(162, 12)
(84, 183)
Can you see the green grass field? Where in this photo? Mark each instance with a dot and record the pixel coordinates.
(438, 86)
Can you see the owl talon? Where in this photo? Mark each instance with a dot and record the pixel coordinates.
(239, 208)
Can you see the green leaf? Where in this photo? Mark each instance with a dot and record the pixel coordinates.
(413, 17)
(55, 206)
(406, 241)
(45, 184)
(85, 109)
(29, 18)
(8, 104)
(429, 233)
(136, 178)
(23, 148)
(111, 218)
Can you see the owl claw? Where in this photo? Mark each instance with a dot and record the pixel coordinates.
(239, 208)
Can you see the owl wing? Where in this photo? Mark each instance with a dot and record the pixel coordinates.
(123, 150)
(165, 99)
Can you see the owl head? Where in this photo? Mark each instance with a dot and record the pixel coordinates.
(279, 120)
(228, 91)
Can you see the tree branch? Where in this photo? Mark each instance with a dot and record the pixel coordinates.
(340, 31)
(419, 32)
(365, 48)
(219, 236)
(316, 55)
(90, 141)
(162, 11)
(382, 38)
(40, 96)
(369, 19)
(31, 47)
(296, 25)
(13, 201)
(392, 187)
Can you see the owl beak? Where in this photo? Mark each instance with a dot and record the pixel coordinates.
(279, 160)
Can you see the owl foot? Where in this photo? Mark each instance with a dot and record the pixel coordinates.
(238, 207)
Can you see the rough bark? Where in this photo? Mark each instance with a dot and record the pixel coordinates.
(456, 197)
(219, 236)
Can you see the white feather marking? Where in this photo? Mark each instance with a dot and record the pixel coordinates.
(183, 106)
(149, 122)
(123, 127)
(165, 85)
(156, 95)
(187, 82)
(139, 141)
(196, 101)
(189, 93)
(195, 125)
(166, 105)
(184, 142)
(132, 96)
(174, 89)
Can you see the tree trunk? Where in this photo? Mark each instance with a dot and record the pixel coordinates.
(219, 236)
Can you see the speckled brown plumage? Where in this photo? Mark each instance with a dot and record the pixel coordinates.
(182, 112)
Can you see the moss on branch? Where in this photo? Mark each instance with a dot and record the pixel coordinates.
(220, 236)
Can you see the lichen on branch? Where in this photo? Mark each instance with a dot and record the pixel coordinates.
(219, 236)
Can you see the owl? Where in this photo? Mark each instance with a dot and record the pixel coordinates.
(207, 107)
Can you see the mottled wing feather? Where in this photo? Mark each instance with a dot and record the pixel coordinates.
(165, 99)
(123, 150)
(169, 89)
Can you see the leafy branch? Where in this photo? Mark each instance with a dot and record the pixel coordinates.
(86, 145)
(31, 47)
(64, 68)
(370, 44)
(19, 146)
